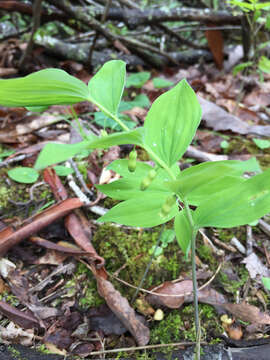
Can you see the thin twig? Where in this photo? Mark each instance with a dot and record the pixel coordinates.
(102, 21)
(168, 295)
(134, 348)
(37, 9)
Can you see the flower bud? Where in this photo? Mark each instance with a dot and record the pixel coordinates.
(132, 161)
(148, 179)
(167, 206)
(145, 183)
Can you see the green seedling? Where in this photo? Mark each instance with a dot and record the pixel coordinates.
(167, 237)
(218, 191)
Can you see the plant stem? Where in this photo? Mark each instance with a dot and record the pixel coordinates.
(194, 280)
(109, 114)
(159, 161)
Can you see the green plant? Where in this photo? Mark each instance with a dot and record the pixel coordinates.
(151, 196)
(256, 13)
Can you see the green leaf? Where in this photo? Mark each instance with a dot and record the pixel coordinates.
(106, 87)
(125, 137)
(142, 211)
(183, 231)
(138, 80)
(24, 175)
(267, 22)
(241, 67)
(55, 153)
(140, 100)
(171, 123)
(6, 153)
(130, 185)
(224, 144)
(200, 181)
(237, 205)
(264, 64)
(266, 282)
(102, 120)
(201, 194)
(167, 237)
(36, 108)
(43, 88)
(63, 170)
(160, 83)
(262, 144)
(264, 6)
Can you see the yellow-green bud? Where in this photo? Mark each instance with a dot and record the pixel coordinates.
(145, 183)
(148, 179)
(152, 174)
(167, 206)
(132, 161)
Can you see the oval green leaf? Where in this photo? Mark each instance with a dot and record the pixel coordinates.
(171, 123)
(106, 87)
(24, 175)
(43, 88)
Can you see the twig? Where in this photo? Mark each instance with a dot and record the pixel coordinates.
(134, 348)
(17, 158)
(250, 240)
(80, 177)
(168, 295)
(103, 19)
(36, 23)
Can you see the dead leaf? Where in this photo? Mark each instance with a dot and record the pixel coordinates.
(121, 308)
(179, 289)
(26, 321)
(255, 267)
(246, 312)
(215, 43)
(218, 119)
(65, 248)
(103, 319)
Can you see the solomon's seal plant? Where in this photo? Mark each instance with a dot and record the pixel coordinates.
(219, 193)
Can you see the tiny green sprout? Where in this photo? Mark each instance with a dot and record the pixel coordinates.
(132, 161)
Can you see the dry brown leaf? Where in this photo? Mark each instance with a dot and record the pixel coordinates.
(218, 119)
(121, 308)
(26, 321)
(246, 312)
(215, 43)
(179, 289)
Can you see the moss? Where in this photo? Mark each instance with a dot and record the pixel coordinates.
(169, 330)
(179, 325)
(131, 249)
(206, 255)
(232, 286)
(15, 353)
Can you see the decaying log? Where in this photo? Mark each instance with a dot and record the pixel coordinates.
(79, 53)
